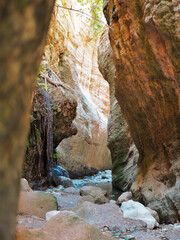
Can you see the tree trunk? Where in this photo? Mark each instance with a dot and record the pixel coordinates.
(23, 27)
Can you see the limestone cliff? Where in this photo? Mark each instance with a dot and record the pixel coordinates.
(145, 41)
(123, 151)
(72, 55)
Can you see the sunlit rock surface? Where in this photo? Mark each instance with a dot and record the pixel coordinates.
(73, 57)
(123, 151)
(145, 41)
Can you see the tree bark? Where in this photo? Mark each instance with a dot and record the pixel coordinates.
(23, 28)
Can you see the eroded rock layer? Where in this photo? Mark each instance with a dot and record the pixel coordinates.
(145, 41)
(53, 110)
(72, 55)
(123, 151)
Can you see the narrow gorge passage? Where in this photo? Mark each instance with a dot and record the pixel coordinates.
(102, 158)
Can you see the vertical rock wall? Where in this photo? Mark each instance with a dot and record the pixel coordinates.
(123, 151)
(53, 110)
(72, 55)
(145, 41)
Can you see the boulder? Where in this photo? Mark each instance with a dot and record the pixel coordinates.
(36, 203)
(72, 190)
(67, 225)
(124, 197)
(108, 214)
(153, 213)
(97, 193)
(136, 210)
(64, 181)
(87, 199)
(58, 171)
(25, 185)
(30, 221)
(51, 214)
(32, 234)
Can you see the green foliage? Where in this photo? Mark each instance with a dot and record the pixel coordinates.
(56, 155)
(42, 69)
(95, 8)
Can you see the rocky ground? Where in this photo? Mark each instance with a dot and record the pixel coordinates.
(83, 212)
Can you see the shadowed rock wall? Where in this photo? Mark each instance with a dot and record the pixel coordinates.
(145, 41)
(53, 110)
(123, 151)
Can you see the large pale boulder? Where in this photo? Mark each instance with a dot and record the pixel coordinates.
(108, 214)
(96, 193)
(136, 210)
(36, 203)
(67, 225)
(32, 234)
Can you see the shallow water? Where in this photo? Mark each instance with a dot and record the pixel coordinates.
(103, 180)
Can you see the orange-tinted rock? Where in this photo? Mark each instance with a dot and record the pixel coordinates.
(123, 151)
(32, 234)
(145, 41)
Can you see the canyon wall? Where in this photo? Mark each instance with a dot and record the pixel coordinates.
(124, 154)
(53, 110)
(72, 55)
(145, 38)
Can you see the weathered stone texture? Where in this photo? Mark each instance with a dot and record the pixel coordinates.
(145, 41)
(123, 151)
(72, 55)
(53, 111)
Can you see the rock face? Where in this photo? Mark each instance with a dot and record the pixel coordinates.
(123, 151)
(72, 55)
(53, 110)
(145, 38)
